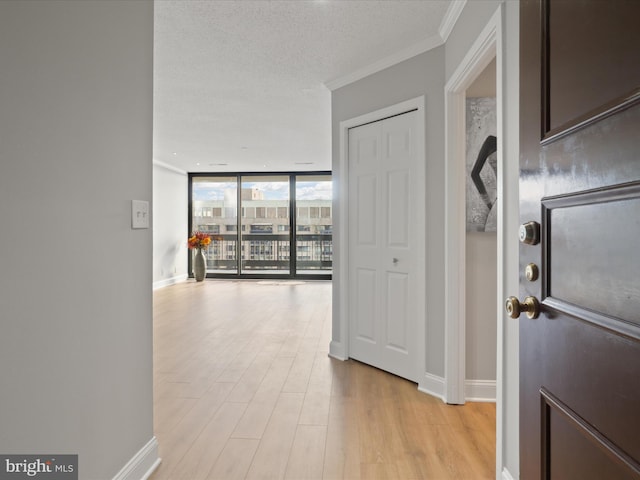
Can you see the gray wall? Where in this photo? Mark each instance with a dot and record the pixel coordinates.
(170, 225)
(420, 75)
(75, 280)
(481, 321)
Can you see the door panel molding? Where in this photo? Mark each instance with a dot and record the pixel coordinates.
(580, 94)
(552, 406)
(623, 319)
(592, 117)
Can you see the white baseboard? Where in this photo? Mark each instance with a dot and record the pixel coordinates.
(480, 390)
(336, 350)
(475, 390)
(432, 385)
(506, 475)
(170, 281)
(143, 463)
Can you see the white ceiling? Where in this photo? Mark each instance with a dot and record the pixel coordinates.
(240, 85)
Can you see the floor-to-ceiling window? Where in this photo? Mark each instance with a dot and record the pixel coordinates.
(264, 225)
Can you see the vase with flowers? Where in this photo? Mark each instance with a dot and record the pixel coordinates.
(199, 241)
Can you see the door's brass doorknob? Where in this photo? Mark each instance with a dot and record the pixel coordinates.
(530, 306)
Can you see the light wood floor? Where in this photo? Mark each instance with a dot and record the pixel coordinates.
(244, 389)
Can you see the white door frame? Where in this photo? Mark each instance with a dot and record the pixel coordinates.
(340, 349)
(487, 46)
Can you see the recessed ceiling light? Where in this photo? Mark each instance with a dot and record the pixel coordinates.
(218, 164)
(198, 163)
(175, 153)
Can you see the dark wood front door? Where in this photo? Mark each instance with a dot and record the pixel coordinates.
(580, 181)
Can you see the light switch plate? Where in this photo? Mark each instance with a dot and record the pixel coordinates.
(139, 214)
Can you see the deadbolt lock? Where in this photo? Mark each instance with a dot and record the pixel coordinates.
(532, 272)
(530, 233)
(530, 306)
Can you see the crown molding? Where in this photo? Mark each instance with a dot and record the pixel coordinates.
(400, 56)
(444, 30)
(450, 18)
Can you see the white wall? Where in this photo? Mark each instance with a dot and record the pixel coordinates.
(75, 279)
(170, 225)
(420, 75)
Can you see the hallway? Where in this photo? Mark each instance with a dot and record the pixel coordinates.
(244, 388)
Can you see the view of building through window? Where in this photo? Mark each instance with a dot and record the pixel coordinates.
(314, 246)
(264, 238)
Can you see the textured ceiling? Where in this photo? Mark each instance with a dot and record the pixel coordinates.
(240, 85)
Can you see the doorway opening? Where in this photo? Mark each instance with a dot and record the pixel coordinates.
(486, 50)
(481, 245)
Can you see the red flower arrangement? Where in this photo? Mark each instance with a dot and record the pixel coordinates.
(199, 240)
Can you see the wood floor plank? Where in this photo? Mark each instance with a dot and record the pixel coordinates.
(174, 444)
(259, 411)
(306, 459)
(234, 461)
(246, 387)
(204, 451)
(321, 374)
(342, 450)
(168, 412)
(379, 471)
(272, 456)
(236, 369)
(298, 378)
(255, 419)
(315, 409)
